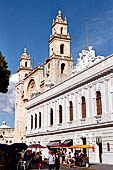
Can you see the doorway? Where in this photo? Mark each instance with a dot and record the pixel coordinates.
(100, 152)
(84, 143)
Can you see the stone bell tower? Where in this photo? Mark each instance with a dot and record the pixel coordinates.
(20, 104)
(59, 65)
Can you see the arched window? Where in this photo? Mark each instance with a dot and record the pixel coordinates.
(35, 121)
(26, 75)
(98, 103)
(39, 119)
(26, 64)
(60, 114)
(51, 116)
(30, 88)
(31, 121)
(108, 147)
(48, 65)
(62, 49)
(71, 110)
(61, 30)
(62, 68)
(83, 107)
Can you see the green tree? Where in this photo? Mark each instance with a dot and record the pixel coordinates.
(4, 74)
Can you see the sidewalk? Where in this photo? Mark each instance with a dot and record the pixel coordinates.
(92, 167)
(101, 166)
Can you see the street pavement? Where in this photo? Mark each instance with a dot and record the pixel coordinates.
(92, 167)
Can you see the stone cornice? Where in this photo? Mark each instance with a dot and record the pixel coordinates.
(33, 71)
(20, 82)
(58, 36)
(62, 23)
(72, 87)
(24, 68)
(72, 129)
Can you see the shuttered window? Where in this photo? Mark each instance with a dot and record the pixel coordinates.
(35, 121)
(98, 103)
(71, 110)
(83, 107)
(60, 114)
(39, 119)
(51, 116)
(31, 121)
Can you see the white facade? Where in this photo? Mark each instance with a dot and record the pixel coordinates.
(6, 134)
(56, 112)
(98, 77)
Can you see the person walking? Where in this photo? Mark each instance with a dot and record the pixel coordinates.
(57, 161)
(40, 161)
(51, 159)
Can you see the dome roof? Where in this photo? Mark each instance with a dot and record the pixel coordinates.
(4, 125)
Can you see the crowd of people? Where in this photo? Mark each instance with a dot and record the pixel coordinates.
(11, 159)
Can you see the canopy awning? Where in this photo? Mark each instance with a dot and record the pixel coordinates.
(36, 146)
(60, 145)
(68, 142)
(53, 143)
(81, 146)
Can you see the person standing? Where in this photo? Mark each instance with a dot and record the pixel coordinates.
(40, 161)
(51, 159)
(57, 161)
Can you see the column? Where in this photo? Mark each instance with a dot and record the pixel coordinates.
(111, 94)
(79, 106)
(67, 109)
(94, 107)
(103, 97)
(42, 116)
(107, 102)
(56, 112)
(63, 110)
(29, 121)
(37, 111)
(76, 106)
(33, 113)
(90, 101)
(48, 114)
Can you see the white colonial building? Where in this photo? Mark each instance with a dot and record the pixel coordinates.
(6, 134)
(69, 104)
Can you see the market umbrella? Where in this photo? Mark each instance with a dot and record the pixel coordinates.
(4, 146)
(19, 146)
(81, 146)
(36, 146)
(61, 145)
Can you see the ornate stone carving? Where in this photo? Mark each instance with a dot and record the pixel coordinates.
(86, 59)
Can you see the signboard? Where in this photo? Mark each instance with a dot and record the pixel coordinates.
(98, 140)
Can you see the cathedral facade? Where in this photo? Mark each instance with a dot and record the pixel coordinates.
(69, 104)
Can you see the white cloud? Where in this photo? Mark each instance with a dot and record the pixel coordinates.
(14, 78)
(7, 101)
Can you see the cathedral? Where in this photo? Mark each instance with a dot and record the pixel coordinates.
(59, 102)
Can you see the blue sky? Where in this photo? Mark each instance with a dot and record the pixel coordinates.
(27, 23)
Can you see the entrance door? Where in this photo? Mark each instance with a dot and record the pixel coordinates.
(84, 143)
(100, 152)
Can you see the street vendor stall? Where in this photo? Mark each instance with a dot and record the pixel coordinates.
(82, 159)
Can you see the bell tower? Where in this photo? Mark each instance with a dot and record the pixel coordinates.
(20, 104)
(25, 65)
(59, 65)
